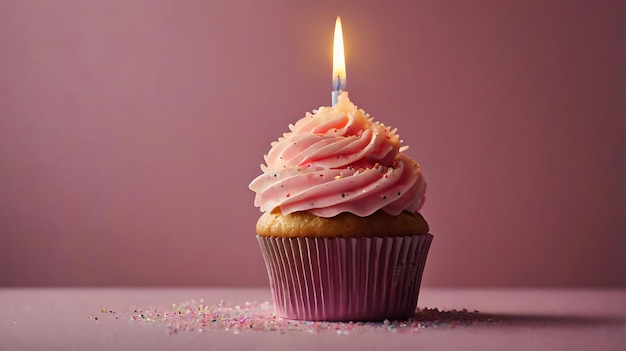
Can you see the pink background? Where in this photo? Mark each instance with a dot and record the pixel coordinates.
(129, 131)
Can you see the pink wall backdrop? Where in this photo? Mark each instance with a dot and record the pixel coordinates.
(129, 131)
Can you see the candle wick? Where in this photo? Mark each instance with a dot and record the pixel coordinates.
(338, 82)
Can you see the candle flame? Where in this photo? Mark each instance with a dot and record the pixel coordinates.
(339, 59)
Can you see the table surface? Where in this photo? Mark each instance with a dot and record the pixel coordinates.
(524, 319)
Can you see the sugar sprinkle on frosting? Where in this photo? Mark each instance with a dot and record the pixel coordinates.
(338, 159)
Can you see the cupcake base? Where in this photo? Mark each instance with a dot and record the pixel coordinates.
(345, 279)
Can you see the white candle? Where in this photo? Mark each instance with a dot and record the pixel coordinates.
(339, 63)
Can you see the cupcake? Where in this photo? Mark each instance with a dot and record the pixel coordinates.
(340, 233)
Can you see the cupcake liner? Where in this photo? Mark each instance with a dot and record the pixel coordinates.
(345, 279)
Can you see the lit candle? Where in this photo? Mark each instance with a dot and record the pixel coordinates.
(339, 63)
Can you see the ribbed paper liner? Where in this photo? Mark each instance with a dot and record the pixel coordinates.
(345, 279)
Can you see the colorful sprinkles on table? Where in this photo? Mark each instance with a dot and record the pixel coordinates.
(196, 316)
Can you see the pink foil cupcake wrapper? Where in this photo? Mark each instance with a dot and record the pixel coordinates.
(343, 279)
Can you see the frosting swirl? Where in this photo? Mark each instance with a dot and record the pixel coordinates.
(337, 159)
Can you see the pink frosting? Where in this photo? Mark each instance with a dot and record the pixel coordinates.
(339, 160)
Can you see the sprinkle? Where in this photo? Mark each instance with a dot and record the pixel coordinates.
(193, 316)
(343, 194)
